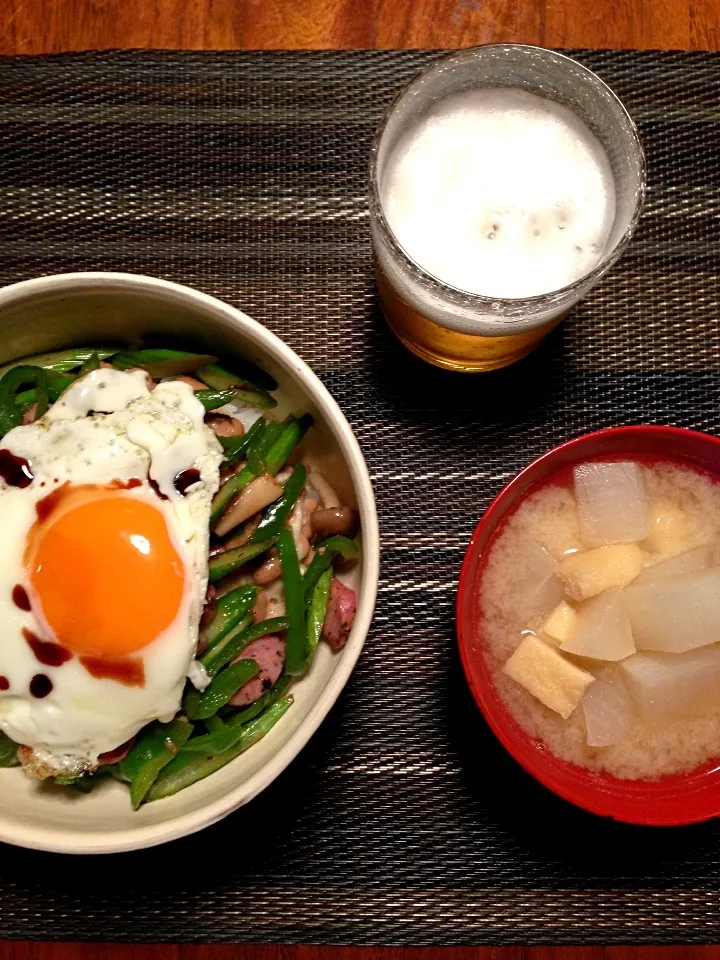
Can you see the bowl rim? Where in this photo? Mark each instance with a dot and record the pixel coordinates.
(640, 802)
(58, 840)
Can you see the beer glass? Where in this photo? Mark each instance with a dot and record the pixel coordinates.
(468, 331)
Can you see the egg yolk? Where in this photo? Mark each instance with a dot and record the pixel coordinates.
(105, 573)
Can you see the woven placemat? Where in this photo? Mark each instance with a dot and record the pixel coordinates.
(403, 822)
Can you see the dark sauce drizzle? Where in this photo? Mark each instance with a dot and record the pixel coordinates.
(40, 686)
(129, 671)
(45, 508)
(47, 653)
(20, 597)
(154, 484)
(15, 471)
(185, 479)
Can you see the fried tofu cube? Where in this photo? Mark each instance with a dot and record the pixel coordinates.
(547, 675)
(589, 573)
(560, 624)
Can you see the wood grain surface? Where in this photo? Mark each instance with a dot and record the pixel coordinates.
(113, 951)
(53, 26)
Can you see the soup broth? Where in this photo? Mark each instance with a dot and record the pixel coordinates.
(522, 586)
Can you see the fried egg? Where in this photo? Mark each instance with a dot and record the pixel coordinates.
(104, 509)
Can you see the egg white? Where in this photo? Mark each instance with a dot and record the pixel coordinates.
(106, 426)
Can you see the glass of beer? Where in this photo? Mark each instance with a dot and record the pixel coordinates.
(505, 181)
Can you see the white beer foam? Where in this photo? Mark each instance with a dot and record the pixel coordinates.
(500, 192)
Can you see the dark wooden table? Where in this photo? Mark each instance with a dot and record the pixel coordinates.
(54, 26)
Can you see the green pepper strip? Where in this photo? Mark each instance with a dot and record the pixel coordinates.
(257, 453)
(324, 556)
(258, 399)
(225, 651)
(235, 447)
(84, 783)
(317, 608)
(62, 361)
(57, 383)
(161, 363)
(212, 399)
(278, 512)
(266, 455)
(8, 752)
(153, 750)
(225, 563)
(222, 738)
(230, 611)
(255, 466)
(188, 768)
(293, 430)
(200, 706)
(92, 363)
(247, 375)
(10, 413)
(246, 714)
(215, 654)
(214, 723)
(295, 640)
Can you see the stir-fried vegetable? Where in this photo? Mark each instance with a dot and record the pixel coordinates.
(317, 608)
(152, 750)
(230, 560)
(265, 611)
(324, 556)
(199, 706)
(212, 399)
(230, 611)
(10, 386)
(235, 447)
(8, 752)
(161, 363)
(278, 512)
(229, 648)
(189, 767)
(295, 645)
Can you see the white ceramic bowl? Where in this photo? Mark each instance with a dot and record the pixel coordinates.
(51, 313)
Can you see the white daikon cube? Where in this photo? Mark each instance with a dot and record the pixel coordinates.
(612, 503)
(538, 584)
(602, 629)
(560, 624)
(547, 675)
(670, 532)
(676, 615)
(691, 562)
(667, 685)
(607, 709)
(589, 573)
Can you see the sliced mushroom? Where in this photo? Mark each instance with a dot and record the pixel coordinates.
(223, 426)
(268, 571)
(328, 497)
(333, 521)
(260, 607)
(257, 495)
(240, 539)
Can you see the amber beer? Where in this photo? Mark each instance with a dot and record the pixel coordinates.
(494, 209)
(469, 352)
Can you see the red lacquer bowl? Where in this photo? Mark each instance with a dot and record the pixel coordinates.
(674, 800)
